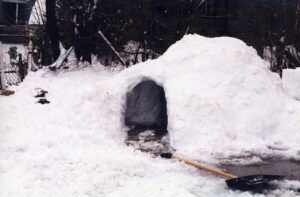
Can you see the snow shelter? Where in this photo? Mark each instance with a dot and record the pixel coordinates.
(146, 108)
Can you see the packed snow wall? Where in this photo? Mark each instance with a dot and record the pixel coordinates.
(222, 100)
(291, 82)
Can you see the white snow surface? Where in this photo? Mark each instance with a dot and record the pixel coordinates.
(224, 105)
(291, 82)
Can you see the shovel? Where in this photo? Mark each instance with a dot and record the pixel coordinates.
(255, 183)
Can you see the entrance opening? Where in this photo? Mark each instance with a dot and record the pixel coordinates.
(146, 117)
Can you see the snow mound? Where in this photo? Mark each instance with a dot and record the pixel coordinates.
(222, 100)
(291, 82)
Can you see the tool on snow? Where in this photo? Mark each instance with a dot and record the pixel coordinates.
(255, 183)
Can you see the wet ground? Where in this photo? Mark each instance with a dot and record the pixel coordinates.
(290, 169)
(148, 141)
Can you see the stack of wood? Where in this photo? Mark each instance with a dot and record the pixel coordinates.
(6, 92)
(16, 34)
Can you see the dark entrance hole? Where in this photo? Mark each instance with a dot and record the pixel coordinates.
(146, 113)
(146, 108)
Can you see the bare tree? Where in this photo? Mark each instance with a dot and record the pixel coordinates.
(52, 28)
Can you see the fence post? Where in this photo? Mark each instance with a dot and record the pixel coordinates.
(1, 68)
(29, 57)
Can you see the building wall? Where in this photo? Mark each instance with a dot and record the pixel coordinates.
(8, 10)
(1, 12)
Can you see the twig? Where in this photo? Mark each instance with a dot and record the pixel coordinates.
(193, 16)
(111, 47)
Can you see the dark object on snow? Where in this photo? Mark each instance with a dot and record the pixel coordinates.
(52, 68)
(6, 92)
(40, 93)
(146, 108)
(289, 168)
(43, 101)
(254, 183)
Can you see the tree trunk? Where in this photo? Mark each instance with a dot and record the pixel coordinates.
(52, 28)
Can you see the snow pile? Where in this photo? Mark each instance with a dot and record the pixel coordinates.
(291, 82)
(222, 102)
(72, 146)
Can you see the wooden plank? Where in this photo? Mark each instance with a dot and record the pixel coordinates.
(12, 71)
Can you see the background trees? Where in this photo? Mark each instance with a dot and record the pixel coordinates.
(143, 29)
(51, 28)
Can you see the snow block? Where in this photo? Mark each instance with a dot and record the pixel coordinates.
(146, 108)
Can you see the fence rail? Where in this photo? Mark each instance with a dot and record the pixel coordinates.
(16, 34)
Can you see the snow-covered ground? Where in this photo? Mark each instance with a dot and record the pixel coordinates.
(224, 105)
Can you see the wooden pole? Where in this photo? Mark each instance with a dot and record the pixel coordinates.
(1, 68)
(209, 169)
(17, 13)
(112, 48)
